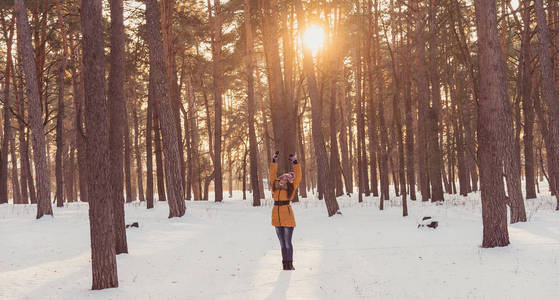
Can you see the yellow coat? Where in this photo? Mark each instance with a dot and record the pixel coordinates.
(283, 215)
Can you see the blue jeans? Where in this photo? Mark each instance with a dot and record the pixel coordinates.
(284, 236)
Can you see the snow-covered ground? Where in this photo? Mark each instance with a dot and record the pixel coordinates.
(229, 250)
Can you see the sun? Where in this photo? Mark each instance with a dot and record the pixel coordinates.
(313, 37)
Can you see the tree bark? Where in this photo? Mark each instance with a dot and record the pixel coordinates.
(492, 94)
(177, 206)
(253, 144)
(20, 108)
(383, 157)
(409, 113)
(60, 118)
(195, 143)
(401, 160)
(7, 127)
(435, 157)
(16, 191)
(334, 152)
(149, 151)
(548, 90)
(344, 149)
(160, 169)
(129, 181)
(545, 134)
(359, 105)
(69, 173)
(35, 119)
(137, 152)
(457, 98)
(78, 101)
(302, 159)
(527, 105)
(117, 111)
(103, 255)
(217, 67)
(372, 126)
(423, 107)
(319, 144)
(167, 33)
(283, 107)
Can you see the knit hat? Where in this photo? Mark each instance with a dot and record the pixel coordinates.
(288, 176)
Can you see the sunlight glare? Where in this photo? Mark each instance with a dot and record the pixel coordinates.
(314, 38)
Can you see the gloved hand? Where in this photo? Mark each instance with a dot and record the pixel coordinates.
(293, 158)
(275, 157)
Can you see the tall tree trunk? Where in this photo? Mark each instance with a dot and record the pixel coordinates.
(160, 169)
(527, 106)
(548, 90)
(7, 127)
(78, 101)
(383, 151)
(492, 94)
(35, 119)
(401, 162)
(544, 129)
(351, 149)
(469, 124)
(60, 117)
(149, 152)
(393, 166)
(266, 139)
(16, 188)
(167, 33)
(30, 181)
(283, 106)
(553, 8)
(409, 113)
(137, 152)
(20, 108)
(457, 98)
(177, 206)
(423, 107)
(103, 255)
(372, 126)
(319, 144)
(117, 119)
(344, 149)
(195, 143)
(383, 157)
(253, 144)
(360, 118)
(188, 145)
(216, 57)
(334, 152)
(69, 174)
(511, 159)
(435, 157)
(128, 180)
(244, 175)
(16, 191)
(302, 159)
(230, 169)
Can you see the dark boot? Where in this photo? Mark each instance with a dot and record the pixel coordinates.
(290, 265)
(284, 265)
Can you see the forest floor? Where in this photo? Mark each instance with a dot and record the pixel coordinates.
(229, 250)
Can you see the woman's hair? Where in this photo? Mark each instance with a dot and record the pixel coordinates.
(290, 188)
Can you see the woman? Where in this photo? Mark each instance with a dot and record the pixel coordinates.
(283, 190)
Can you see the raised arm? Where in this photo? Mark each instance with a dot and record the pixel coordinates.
(273, 168)
(297, 170)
